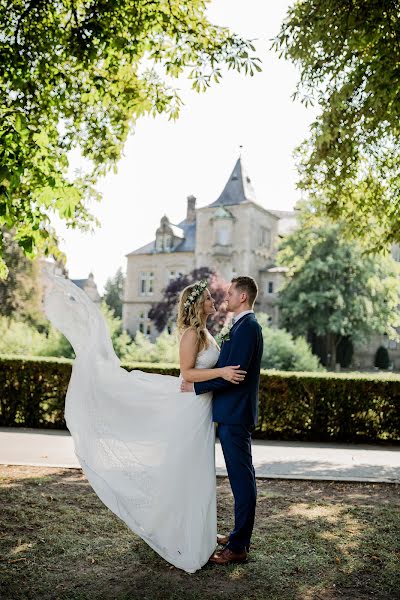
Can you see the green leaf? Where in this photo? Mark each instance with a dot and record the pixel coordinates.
(41, 139)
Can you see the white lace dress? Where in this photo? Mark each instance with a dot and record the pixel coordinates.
(147, 449)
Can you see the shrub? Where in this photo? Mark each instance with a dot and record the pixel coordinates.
(164, 349)
(19, 337)
(292, 406)
(285, 353)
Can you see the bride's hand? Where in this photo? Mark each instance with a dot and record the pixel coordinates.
(233, 374)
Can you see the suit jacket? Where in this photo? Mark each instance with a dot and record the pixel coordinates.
(237, 403)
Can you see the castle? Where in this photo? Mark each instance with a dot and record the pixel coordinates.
(235, 235)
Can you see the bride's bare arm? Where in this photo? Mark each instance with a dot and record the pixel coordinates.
(188, 350)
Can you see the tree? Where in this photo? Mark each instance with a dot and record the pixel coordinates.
(121, 340)
(335, 289)
(348, 53)
(114, 289)
(20, 293)
(163, 312)
(77, 74)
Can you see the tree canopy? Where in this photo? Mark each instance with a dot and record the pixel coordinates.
(164, 311)
(335, 289)
(20, 293)
(114, 291)
(348, 53)
(76, 74)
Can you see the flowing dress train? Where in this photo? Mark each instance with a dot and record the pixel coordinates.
(147, 449)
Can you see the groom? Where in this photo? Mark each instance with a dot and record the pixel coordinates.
(235, 409)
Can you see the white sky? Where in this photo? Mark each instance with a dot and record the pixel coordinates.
(165, 161)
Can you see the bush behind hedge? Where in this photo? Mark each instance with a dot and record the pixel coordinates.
(292, 405)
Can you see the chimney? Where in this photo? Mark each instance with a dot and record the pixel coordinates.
(191, 209)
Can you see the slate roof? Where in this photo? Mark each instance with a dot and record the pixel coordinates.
(238, 188)
(177, 231)
(80, 282)
(189, 243)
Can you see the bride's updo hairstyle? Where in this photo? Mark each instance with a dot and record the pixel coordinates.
(190, 311)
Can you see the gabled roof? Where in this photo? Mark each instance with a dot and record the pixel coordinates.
(237, 189)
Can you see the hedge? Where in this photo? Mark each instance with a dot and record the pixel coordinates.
(292, 406)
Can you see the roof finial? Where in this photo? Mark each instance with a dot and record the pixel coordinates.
(240, 151)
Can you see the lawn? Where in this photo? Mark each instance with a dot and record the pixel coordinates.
(312, 540)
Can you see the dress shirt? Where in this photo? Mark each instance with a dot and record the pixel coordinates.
(240, 315)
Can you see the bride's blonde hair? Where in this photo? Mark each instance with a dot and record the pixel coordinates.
(190, 314)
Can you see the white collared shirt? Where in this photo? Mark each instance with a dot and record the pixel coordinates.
(236, 318)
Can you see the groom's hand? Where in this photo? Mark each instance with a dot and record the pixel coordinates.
(186, 386)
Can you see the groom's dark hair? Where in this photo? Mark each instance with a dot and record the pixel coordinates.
(248, 285)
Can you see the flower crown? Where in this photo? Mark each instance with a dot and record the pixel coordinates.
(195, 293)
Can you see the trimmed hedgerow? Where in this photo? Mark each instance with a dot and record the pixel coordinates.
(292, 406)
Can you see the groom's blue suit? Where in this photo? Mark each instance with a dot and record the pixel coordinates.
(235, 409)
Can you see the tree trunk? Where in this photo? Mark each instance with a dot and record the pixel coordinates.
(332, 345)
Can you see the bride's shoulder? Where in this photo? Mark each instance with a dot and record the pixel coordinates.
(188, 334)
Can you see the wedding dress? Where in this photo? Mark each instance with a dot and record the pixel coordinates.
(147, 449)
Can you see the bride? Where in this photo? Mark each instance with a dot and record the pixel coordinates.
(147, 449)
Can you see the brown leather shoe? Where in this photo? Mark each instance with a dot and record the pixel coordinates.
(222, 540)
(226, 557)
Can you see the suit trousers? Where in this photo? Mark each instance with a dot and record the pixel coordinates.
(236, 446)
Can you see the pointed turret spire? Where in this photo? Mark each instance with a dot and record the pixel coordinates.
(238, 188)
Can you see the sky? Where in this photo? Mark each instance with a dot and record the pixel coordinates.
(166, 161)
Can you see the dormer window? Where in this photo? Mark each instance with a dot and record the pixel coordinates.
(222, 222)
(168, 236)
(167, 241)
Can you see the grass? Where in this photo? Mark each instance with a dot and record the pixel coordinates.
(312, 540)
